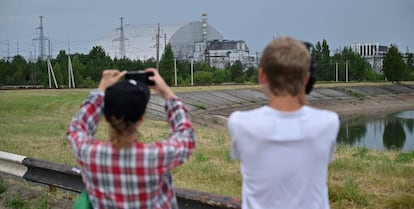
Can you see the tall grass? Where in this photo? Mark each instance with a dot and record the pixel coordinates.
(34, 123)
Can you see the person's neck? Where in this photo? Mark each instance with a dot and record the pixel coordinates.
(287, 103)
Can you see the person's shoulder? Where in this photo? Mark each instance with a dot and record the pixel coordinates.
(246, 113)
(322, 114)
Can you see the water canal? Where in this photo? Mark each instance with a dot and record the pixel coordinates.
(380, 131)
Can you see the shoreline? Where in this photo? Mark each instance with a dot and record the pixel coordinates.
(369, 105)
(211, 108)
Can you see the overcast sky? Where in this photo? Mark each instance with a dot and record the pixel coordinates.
(84, 22)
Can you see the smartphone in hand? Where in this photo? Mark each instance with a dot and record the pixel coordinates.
(140, 75)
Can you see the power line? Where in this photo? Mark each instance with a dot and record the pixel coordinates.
(41, 40)
(121, 39)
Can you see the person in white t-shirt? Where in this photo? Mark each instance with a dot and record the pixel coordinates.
(284, 147)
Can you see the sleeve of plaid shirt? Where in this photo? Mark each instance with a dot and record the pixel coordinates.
(171, 152)
(83, 126)
(180, 144)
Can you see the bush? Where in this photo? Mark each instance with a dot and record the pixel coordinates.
(2, 186)
(203, 78)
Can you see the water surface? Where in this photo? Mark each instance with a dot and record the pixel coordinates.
(380, 131)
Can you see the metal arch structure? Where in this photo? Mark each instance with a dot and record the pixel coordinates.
(142, 44)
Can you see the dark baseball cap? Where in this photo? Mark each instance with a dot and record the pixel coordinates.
(126, 100)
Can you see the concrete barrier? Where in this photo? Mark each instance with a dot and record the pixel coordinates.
(69, 178)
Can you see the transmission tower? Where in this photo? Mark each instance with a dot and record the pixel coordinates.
(157, 45)
(121, 39)
(41, 40)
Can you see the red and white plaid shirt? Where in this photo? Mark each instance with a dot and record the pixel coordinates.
(135, 177)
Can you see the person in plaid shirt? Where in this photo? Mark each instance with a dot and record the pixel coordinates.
(125, 172)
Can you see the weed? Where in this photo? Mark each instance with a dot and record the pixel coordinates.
(200, 106)
(356, 94)
(404, 157)
(361, 152)
(215, 121)
(200, 157)
(402, 202)
(2, 186)
(43, 203)
(16, 202)
(348, 191)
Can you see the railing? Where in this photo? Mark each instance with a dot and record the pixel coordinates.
(69, 178)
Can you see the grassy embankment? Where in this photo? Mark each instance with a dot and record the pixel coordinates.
(34, 122)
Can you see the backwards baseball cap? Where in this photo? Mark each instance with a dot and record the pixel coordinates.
(126, 100)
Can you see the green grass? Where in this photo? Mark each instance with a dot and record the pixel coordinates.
(34, 122)
(363, 178)
(2, 186)
(17, 202)
(356, 94)
(200, 106)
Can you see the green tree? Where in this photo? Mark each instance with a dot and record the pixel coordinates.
(78, 68)
(40, 74)
(357, 67)
(5, 72)
(57, 70)
(61, 63)
(393, 65)
(321, 56)
(183, 72)
(221, 76)
(236, 72)
(252, 75)
(96, 62)
(21, 74)
(410, 66)
(167, 65)
(203, 77)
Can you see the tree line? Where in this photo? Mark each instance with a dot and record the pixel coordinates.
(87, 68)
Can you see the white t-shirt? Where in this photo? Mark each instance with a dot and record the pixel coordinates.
(284, 156)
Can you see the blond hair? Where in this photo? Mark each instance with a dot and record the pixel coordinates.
(286, 62)
(119, 132)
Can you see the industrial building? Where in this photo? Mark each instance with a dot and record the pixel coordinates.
(197, 41)
(373, 53)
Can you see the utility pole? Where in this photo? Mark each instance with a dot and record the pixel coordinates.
(175, 71)
(336, 71)
(51, 73)
(192, 72)
(165, 40)
(158, 46)
(68, 47)
(71, 79)
(8, 50)
(121, 39)
(346, 69)
(17, 47)
(41, 40)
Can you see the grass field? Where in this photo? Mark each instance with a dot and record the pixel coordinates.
(34, 122)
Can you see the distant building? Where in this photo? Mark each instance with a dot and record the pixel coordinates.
(373, 53)
(195, 40)
(223, 53)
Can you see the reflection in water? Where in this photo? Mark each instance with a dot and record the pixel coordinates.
(394, 135)
(352, 131)
(394, 131)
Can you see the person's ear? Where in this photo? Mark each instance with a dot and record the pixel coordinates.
(307, 77)
(139, 122)
(262, 76)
